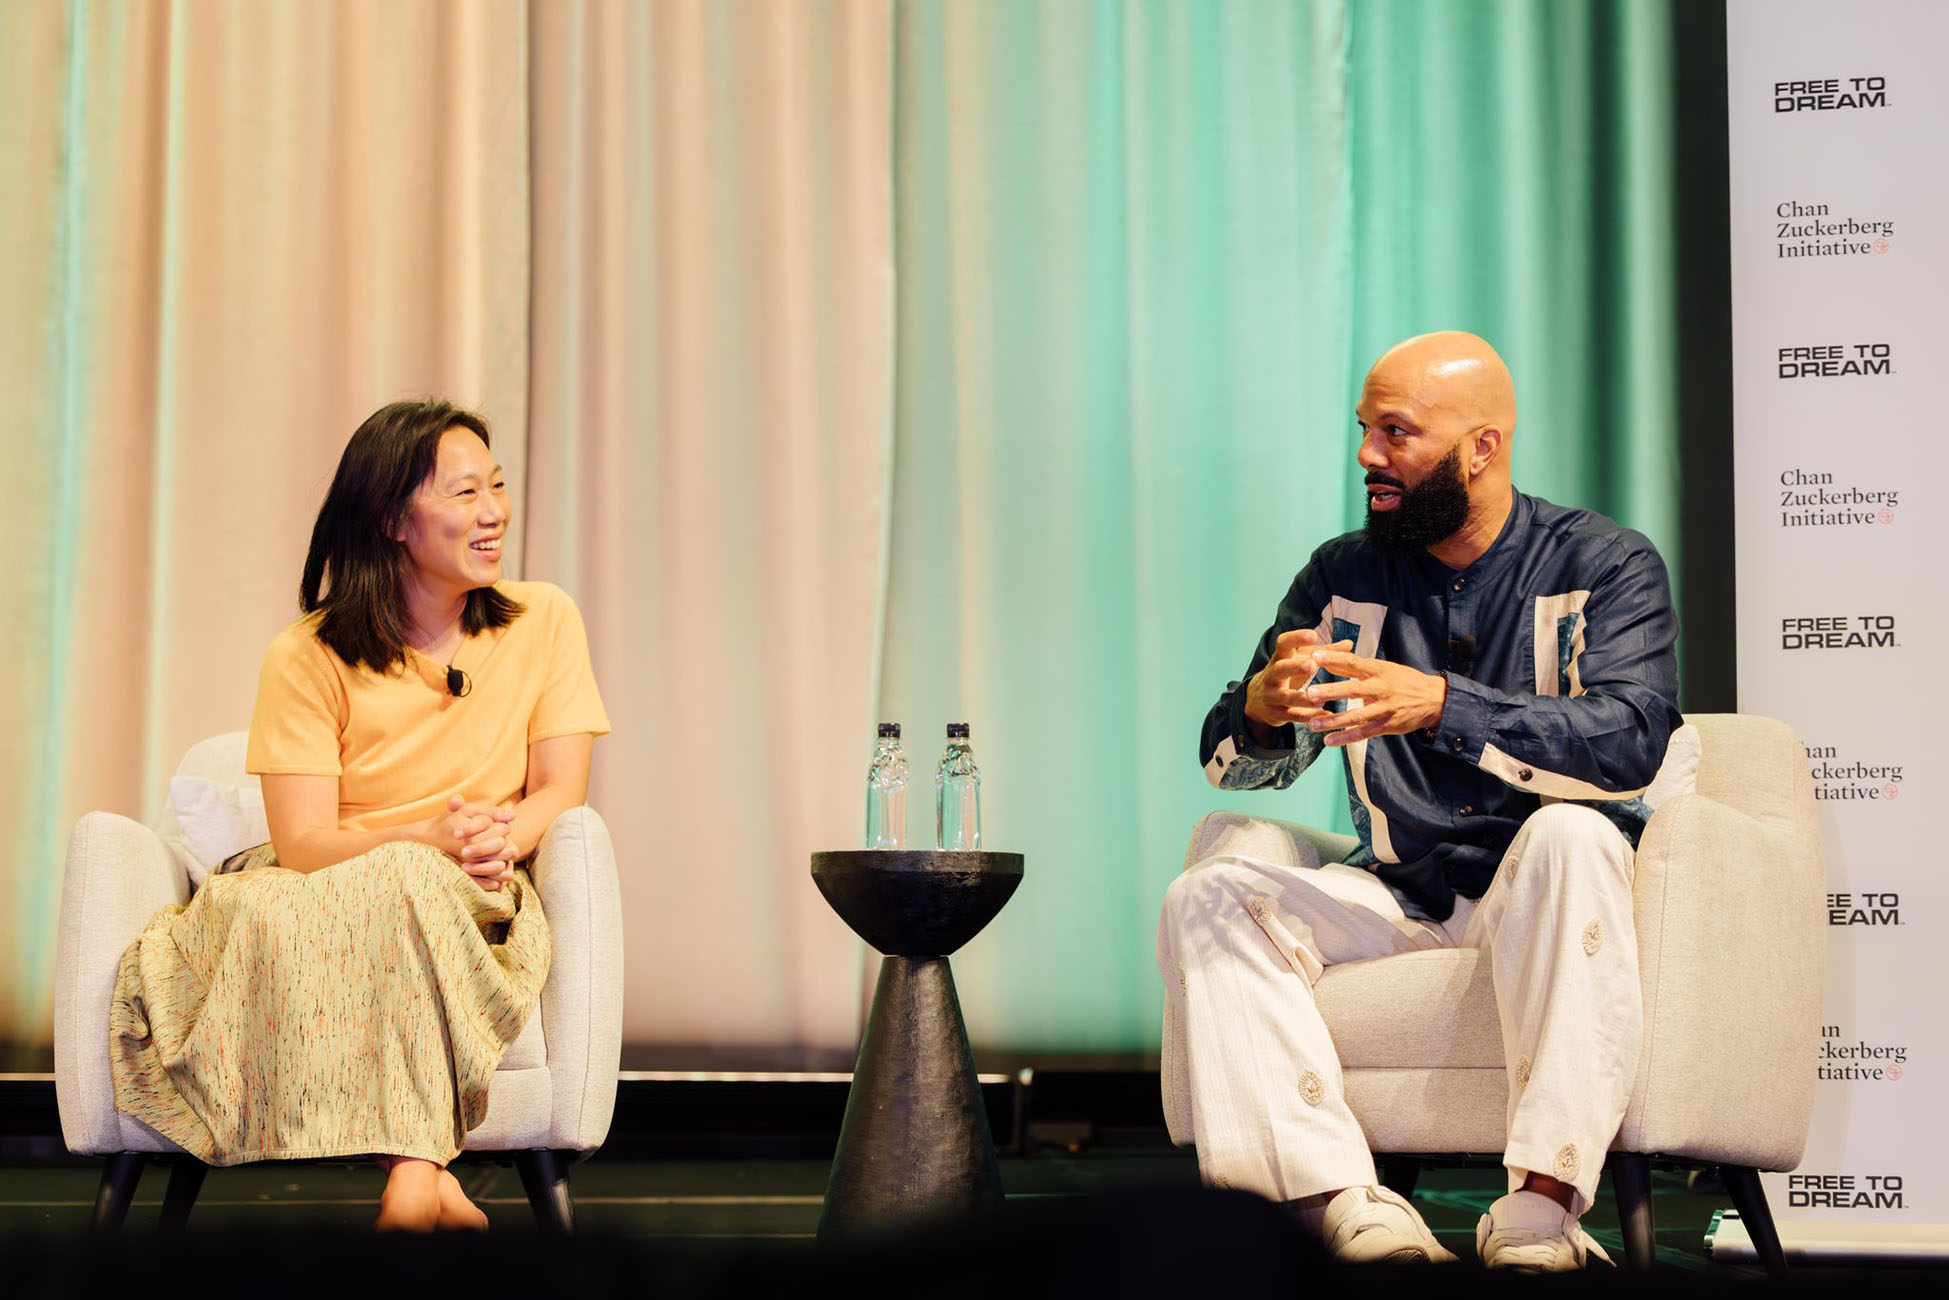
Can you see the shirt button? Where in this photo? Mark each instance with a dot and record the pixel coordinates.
(1466, 810)
(1461, 583)
(1455, 743)
(1524, 775)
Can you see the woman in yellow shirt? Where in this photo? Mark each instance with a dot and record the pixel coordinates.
(350, 987)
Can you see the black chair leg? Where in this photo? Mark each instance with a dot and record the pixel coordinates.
(1631, 1186)
(120, 1175)
(185, 1181)
(1749, 1198)
(1399, 1174)
(544, 1175)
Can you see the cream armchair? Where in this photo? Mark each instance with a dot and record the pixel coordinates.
(1731, 948)
(550, 1101)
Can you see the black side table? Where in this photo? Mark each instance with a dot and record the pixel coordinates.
(915, 1142)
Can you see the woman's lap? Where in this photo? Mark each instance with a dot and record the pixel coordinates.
(359, 1009)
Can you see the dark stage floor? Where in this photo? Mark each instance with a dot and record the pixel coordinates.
(774, 1201)
(715, 1188)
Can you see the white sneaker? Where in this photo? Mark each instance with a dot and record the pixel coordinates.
(1529, 1233)
(1372, 1224)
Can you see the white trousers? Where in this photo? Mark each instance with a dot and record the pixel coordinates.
(1250, 1073)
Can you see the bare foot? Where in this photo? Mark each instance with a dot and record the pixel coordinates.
(457, 1213)
(411, 1201)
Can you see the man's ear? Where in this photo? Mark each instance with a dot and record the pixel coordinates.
(1488, 446)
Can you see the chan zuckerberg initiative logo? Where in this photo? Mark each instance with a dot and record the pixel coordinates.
(1810, 498)
(1843, 1058)
(1816, 230)
(1830, 94)
(1848, 778)
(1838, 632)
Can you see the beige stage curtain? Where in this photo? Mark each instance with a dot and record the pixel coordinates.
(708, 472)
(228, 231)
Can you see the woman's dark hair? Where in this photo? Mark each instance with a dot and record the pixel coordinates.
(355, 569)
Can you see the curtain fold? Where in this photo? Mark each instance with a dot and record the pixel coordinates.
(1122, 388)
(711, 356)
(232, 231)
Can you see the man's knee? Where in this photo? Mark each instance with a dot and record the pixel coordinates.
(1576, 841)
(1577, 826)
(1204, 888)
(1235, 834)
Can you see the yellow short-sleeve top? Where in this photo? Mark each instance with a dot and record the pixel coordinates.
(398, 742)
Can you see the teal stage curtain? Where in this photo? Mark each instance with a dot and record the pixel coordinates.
(1145, 253)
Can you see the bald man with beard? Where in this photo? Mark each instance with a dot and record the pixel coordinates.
(1499, 674)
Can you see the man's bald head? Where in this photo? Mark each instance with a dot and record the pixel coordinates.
(1435, 417)
(1451, 372)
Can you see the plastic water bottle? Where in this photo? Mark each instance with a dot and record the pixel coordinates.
(957, 794)
(886, 792)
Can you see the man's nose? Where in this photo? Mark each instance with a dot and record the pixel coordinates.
(1370, 456)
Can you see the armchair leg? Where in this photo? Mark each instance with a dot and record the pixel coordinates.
(185, 1181)
(1749, 1198)
(544, 1176)
(1399, 1174)
(120, 1174)
(1631, 1186)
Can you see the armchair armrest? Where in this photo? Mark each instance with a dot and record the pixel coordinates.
(1732, 953)
(574, 871)
(119, 874)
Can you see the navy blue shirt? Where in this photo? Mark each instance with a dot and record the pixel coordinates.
(1562, 685)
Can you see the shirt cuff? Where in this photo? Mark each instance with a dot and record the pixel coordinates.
(1466, 719)
(1285, 738)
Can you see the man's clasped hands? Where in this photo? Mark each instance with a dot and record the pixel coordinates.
(1393, 698)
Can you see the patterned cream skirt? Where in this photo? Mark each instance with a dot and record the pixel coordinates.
(358, 1010)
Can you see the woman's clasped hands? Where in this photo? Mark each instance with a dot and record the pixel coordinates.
(479, 837)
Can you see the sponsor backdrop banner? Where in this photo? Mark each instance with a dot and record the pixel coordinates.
(1837, 118)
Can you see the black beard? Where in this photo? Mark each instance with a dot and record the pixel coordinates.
(1431, 511)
